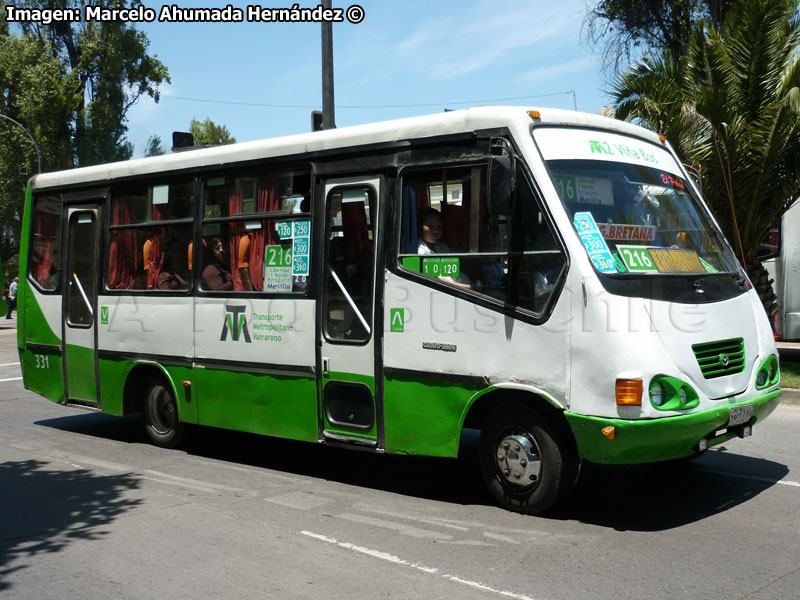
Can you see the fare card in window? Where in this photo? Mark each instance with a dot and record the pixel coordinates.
(300, 265)
(284, 229)
(445, 266)
(594, 242)
(301, 228)
(301, 246)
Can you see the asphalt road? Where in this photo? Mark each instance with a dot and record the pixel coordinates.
(89, 510)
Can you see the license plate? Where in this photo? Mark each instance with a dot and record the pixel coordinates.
(740, 414)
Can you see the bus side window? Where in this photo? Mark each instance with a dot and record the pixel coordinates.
(137, 256)
(45, 250)
(449, 234)
(246, 247)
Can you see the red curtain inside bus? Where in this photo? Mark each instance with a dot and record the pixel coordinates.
(153, 250)
(247, 246)
(122, 255)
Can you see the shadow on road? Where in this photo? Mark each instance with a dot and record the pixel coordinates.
(639, 497)
(43, 510)
(663, 496)
(424, 477)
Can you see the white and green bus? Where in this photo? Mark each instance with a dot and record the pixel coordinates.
(550, 278)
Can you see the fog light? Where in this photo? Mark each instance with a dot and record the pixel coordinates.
(702, 445)
(746, 431)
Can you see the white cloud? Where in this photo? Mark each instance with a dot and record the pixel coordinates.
(556, 70)
(461, 40)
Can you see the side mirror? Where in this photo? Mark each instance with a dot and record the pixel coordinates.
(501, 185)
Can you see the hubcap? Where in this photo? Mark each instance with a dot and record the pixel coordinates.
(162, 412)
(518, 460)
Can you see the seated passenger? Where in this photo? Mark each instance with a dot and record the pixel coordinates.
(173, 276)
(430, 233)
(216, 278)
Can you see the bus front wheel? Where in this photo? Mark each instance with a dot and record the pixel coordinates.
(161, 420)
(525, 465)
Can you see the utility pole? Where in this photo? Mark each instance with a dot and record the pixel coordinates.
(328, 113)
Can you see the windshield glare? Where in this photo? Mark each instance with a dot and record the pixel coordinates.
(636, 219)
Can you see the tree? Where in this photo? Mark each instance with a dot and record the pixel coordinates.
(33, 92)
(730, 107)
(154, 147)
(71, 85)
(108, 67)
(209, 133)
(626, 28)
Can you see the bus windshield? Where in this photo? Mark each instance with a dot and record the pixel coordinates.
(635, 213)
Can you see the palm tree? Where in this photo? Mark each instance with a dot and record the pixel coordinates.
(730, 107)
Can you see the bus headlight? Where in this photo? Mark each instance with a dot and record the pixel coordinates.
(657, 393)
(670, 393)
(768, 372)
(761, 378)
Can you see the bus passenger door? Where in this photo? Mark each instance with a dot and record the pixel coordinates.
(349, 407)
(80, 306)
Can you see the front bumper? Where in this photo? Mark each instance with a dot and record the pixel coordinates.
(666, 438)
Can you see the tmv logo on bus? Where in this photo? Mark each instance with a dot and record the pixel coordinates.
(235, 324)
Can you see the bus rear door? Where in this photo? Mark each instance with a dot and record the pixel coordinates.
(80, 304)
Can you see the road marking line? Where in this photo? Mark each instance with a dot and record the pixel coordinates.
(752, 477)
(429, 521)
(428, 570)
(9, 364)
(206, 486)
(11, 379)
(409, 530)
(255, 471)
(148, 474)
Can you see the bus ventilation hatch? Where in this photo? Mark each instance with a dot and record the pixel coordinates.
(718, 359)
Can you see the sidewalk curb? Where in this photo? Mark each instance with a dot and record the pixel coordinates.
(790, 396)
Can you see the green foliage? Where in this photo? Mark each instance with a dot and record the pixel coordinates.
(71, 86)
(730, 106)
(154, 147)
(209, 133)
(625, 28)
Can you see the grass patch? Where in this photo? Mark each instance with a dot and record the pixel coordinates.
(790, 374)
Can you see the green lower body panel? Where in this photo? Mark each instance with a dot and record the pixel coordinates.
(424, 416)
(276, 405)
(81, 380)
(114, 373)
(653, 440)
(43, 373)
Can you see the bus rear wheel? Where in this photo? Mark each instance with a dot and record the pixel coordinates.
(527, 468)
(161, 419)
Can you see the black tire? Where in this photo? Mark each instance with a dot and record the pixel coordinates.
(532, 479)
(161, 420)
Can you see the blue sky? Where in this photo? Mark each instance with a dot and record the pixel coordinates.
(438, 53)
